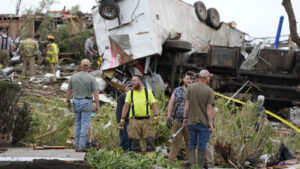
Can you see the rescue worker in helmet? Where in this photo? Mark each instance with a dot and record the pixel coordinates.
(29, 49)
(52, 55)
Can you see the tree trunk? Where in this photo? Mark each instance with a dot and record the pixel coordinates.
(292, 21)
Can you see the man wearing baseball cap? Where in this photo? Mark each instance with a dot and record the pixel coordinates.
(125, 143)
(198, 115)
(83, 87)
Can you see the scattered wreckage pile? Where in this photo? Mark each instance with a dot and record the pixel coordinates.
(52, 125)
(166, 56)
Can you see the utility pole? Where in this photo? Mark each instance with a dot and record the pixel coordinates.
(18, 6)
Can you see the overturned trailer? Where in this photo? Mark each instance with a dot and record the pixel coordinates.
(163, 39)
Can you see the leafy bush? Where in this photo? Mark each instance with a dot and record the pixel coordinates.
(162, 134)
(22, 123)
(9, 95)
(235, 138)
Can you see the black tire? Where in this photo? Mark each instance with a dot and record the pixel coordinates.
(109, 9)
(298, 57)
(178, 45)
(200, 10)
(213, 18)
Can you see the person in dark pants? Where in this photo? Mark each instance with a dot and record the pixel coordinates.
(198, 115)
(124, 139)
(261, 114)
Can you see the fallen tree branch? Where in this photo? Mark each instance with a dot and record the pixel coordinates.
(230, 162)
(37, 95)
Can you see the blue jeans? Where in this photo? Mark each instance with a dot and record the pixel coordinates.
(82, 109)
(198, 132)
(124, 139)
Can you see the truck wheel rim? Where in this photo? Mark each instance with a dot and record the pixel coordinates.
(109, 11)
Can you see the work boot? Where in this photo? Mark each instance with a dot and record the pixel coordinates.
(192, 158)
(135, 144)
(150, 144)
(81, 149)
(201, 157)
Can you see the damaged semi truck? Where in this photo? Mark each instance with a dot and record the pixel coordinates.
(162, 39)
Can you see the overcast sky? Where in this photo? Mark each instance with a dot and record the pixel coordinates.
(258, 18)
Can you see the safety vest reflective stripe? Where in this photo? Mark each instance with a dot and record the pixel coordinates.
(29, 44)
(53, 54)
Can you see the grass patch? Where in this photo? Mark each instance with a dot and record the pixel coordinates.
(104, 159)
(47, 117)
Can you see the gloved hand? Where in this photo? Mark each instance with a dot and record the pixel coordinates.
(121, 124)
(156, 120)
(169, 122)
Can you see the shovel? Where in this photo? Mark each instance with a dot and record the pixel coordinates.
(174, 135)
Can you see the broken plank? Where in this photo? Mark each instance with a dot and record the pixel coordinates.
(38, 148)
(118, 85)
(109, 73)
(54, 147)
(280, 166)
(44, 135)
(48, 147)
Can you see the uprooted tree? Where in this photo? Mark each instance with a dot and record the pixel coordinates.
(292, 21)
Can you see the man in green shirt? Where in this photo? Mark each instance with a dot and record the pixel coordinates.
(83, 86)
(198, 114)
(140, 126)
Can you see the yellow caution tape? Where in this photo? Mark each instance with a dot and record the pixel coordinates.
(267, 111)
(228, 98)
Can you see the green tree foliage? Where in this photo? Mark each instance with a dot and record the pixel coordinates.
(44, 6)
(74, 9)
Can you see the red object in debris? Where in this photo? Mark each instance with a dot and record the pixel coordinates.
(141, 67)
(65, 13)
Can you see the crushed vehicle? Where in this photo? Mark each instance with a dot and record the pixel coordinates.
(163, 39)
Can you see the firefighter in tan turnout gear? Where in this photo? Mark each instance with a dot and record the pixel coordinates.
(139, 99)
(28, 50)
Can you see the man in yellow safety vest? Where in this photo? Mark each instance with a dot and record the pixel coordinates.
(28, 50)
(52, 54)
